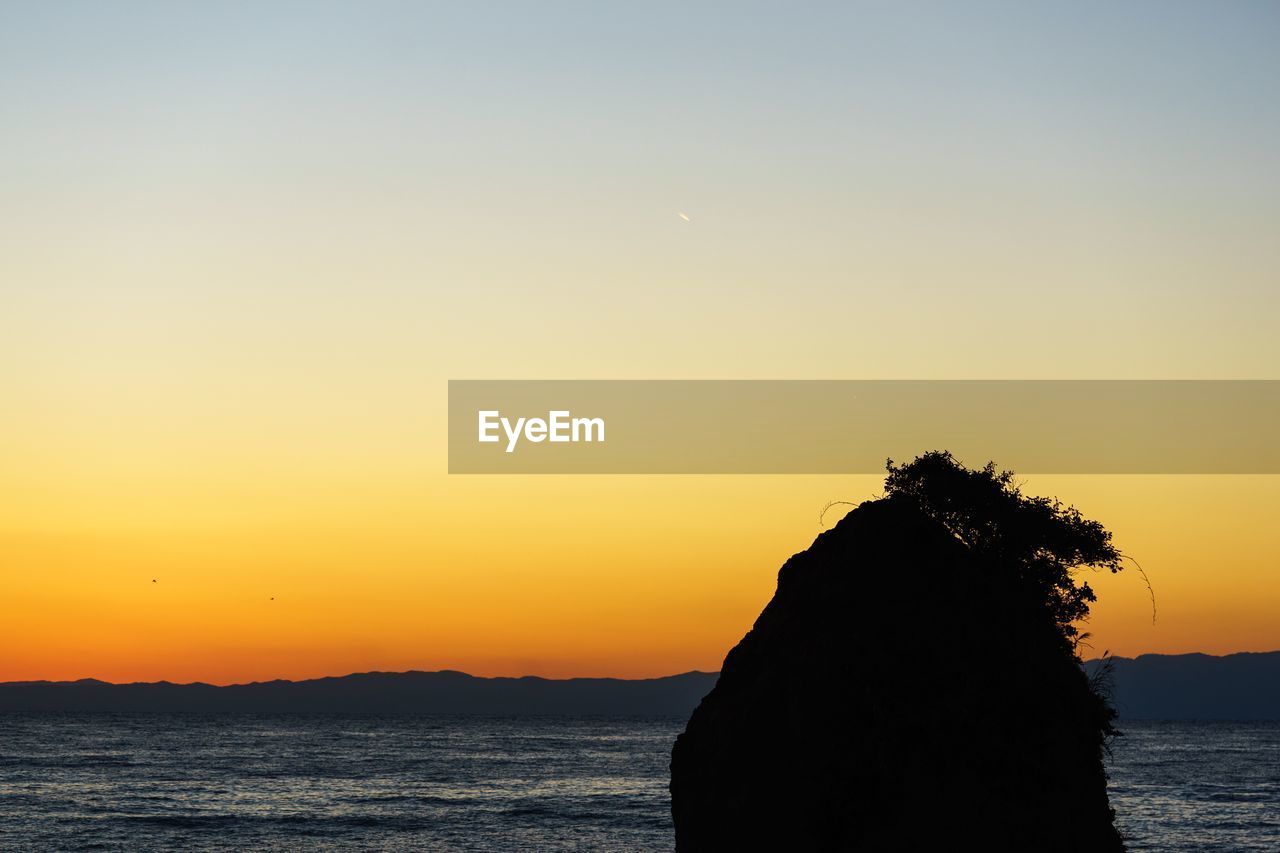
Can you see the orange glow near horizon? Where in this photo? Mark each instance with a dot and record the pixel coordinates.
(557, 576)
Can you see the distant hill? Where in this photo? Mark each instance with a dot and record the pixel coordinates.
(1243, 686)
(444, 692)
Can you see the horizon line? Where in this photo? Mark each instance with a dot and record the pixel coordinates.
(93, 680)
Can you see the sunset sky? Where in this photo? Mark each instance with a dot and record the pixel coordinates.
(244, 247)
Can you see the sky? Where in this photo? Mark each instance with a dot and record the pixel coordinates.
(244, 246)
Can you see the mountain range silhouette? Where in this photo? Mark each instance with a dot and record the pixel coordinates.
(1242, 686)
(444, 692)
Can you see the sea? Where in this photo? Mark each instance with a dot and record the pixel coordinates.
(296, 782)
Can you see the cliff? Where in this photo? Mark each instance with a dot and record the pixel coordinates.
(855, 714)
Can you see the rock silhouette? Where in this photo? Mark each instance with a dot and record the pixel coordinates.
(903, 690)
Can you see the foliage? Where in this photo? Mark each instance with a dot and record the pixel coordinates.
(1039, 539)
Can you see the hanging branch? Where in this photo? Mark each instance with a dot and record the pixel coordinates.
(1150, 591)
(823, 515)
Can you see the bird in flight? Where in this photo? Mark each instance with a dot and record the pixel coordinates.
(684, 216)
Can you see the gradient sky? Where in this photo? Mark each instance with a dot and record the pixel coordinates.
(243, 247)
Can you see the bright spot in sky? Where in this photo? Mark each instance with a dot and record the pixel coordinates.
(684, 216)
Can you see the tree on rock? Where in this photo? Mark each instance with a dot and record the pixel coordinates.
(1038, 539)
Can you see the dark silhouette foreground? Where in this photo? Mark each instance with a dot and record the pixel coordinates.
(912, 685)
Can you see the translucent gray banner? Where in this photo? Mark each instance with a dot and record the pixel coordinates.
(852, 426)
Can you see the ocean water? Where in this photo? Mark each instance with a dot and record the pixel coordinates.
(1208, 786)
(142, 782)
